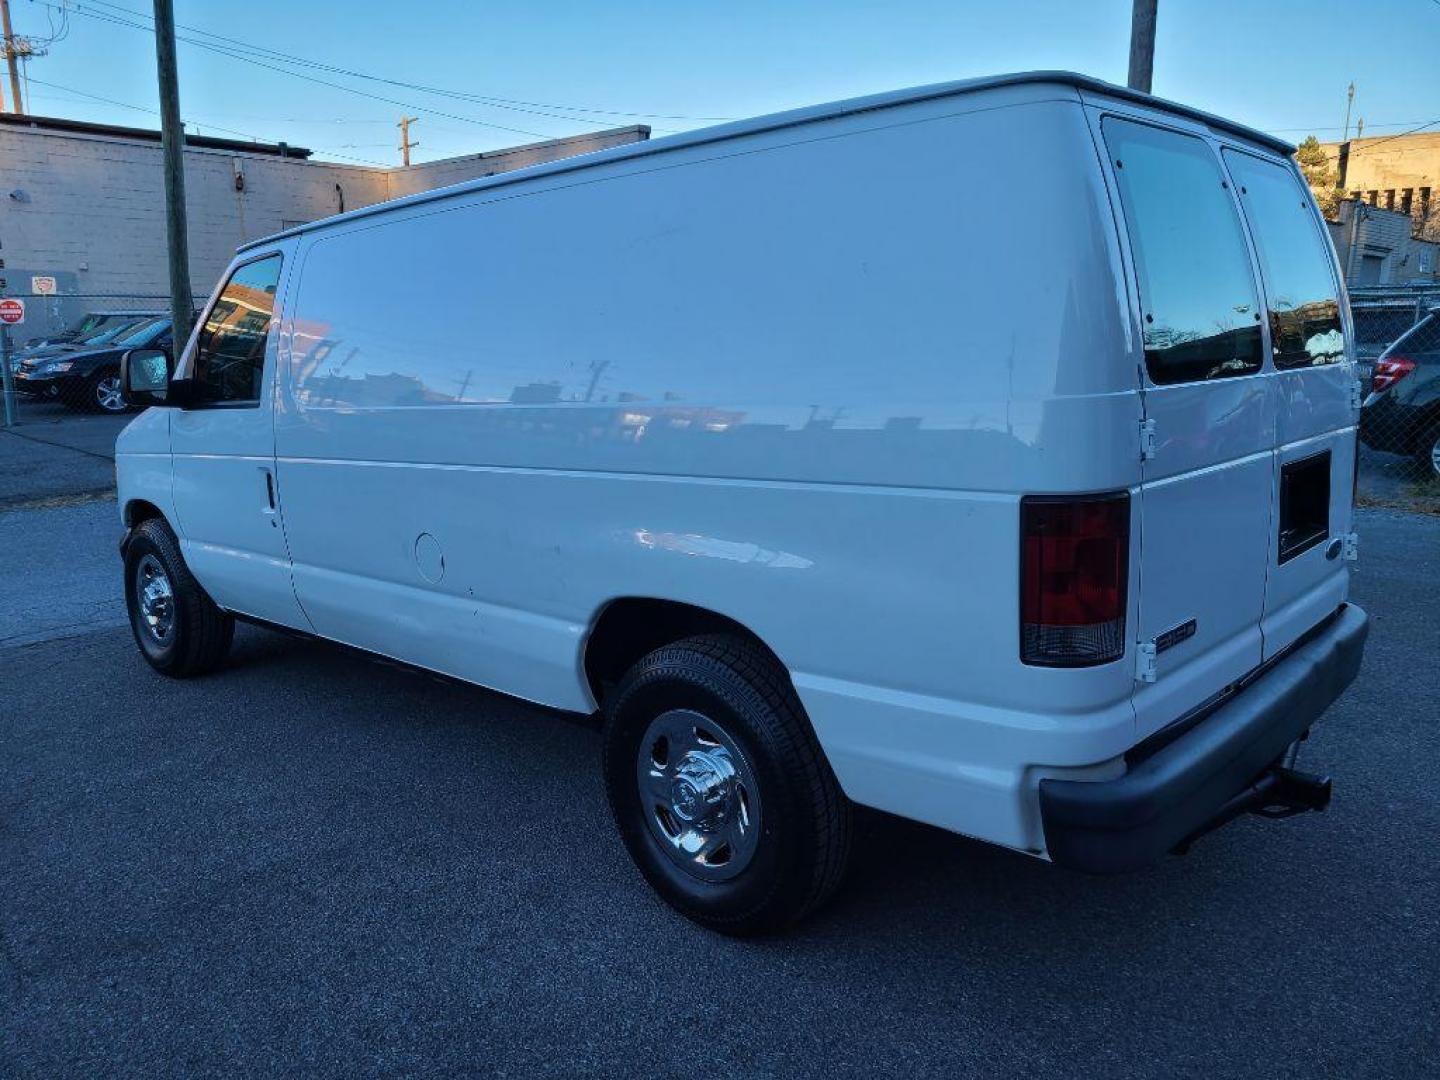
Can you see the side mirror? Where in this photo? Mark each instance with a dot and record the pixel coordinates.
(145, 377)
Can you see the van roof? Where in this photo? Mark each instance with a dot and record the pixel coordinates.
(790, 118)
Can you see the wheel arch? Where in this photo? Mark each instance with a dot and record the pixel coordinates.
(626, 628)
(141, 510)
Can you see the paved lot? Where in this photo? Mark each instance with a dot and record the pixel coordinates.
(1396, 482)
(54, 453)
(313, 862)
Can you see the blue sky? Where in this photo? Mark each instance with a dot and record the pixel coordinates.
(1281, 65)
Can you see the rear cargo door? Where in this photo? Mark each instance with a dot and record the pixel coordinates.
(1313, 385)
(1208, 443)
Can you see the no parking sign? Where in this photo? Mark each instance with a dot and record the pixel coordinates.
(12, 312)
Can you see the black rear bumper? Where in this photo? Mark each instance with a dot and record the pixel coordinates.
(1111, 826)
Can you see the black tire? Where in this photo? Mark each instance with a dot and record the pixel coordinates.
(97, 393)
(803, 837)
(1427, 452)
(198, 633)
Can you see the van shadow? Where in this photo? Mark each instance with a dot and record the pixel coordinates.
(908, 885)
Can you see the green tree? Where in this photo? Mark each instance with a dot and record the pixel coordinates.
(1320, 174)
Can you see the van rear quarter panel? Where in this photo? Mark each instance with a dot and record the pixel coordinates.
(801, 378)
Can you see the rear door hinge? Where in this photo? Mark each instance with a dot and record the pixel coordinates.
(1147, 439)
(1146, 667)
(1352, 547)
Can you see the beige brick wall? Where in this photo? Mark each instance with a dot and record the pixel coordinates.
(1383, 170)
(89, 209)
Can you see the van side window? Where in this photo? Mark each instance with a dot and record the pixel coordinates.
(230, 353)
(1197, 292)
(1305, 328)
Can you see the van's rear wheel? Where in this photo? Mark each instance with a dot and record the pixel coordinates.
(720, 790)
(179, 629)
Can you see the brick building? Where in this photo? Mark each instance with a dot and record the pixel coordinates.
(1396, 173)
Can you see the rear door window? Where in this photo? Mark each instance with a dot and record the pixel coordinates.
(1305, 329)
(1197, 290)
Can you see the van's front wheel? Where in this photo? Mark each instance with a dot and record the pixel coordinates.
(720, 790)
(179, 629)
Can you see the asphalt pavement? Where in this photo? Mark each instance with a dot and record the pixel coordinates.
(314, 862)
(55, 454)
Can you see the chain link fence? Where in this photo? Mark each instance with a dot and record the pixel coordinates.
(60, 361)
(64, 353)
(64, 357)
(1397, 345)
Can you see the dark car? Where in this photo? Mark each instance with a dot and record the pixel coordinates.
(89, 326)
(87, 374)
(1402, 413)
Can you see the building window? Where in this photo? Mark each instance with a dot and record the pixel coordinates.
(1390, 199)
(1406, 198)
(1373, 198)
(1424, 202)
(1355, 195)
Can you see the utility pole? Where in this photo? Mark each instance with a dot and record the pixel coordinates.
(1142, 45)
(1349, 100)
(17, 105)
(405, 143)
(172, 142)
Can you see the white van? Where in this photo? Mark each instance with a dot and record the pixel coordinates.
(982, 453)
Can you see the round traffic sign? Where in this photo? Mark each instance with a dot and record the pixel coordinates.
(12, 312)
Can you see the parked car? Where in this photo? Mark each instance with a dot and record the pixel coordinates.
(88, 325)
(1402, 413)
(102, 334)
(821, 479)
(87, 375)
(1376, 326)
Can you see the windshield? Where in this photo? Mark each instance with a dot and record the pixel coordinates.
(143, 334)
(1421, 343)
(108, 332)
(89, 324)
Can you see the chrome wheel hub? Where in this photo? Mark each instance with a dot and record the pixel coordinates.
(155, 598)
(699, 795)
(1435, 458)
(108, 395)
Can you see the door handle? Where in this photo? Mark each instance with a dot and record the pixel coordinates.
(268, 507)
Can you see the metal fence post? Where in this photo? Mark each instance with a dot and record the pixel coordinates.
(8, 376)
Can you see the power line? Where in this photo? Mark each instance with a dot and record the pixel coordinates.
(213, 127)
(116, 21)
(1336, 127)
(1368, 145)
(512, 104)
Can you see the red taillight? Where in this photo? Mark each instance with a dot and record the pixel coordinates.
(1389, 371)
(1074, 563)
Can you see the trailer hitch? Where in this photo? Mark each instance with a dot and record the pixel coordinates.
(1279, 792)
